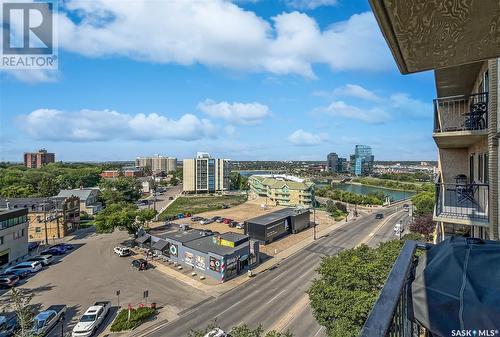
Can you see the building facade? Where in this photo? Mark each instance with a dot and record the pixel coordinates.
(332, 162)
(157, 163)
(88, 198)
(38, 159)
(205, 174)
(13, 236)
(48, 218)
(465, 132)
(125, 172)
(362, 161)
(282, 189)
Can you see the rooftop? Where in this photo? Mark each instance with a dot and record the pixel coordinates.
(279, 181)
(277, 215)
(82, 193)
(208, 244)
(182, 236)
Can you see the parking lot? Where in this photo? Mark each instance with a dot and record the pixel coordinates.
(92, 272)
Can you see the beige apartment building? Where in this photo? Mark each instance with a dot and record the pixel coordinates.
(459, 41)
(157, 163)
(283, 189)
(205, 174)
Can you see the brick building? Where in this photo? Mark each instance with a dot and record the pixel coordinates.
(38, 159)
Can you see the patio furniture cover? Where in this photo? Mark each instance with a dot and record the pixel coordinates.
(457, 287)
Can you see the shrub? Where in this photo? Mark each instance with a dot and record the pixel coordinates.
(137, 317)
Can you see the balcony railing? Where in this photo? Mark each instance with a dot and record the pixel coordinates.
(390, 315)
(461, 113)
(462, 201)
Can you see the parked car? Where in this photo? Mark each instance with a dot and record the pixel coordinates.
(379, 216)
(233, 224)
(91, 319)
(65, 246)
(140, 264)
(227, 221)
(33, 245)
(8, 281)
(8, 325)
(46, 320)
(122, 251)
(207, 221)
(196, 218)
(45, 260)
(22, 273)
(240, 225)
(31, 267)
(216, 333)
(170, 198)
(54, 251)
(218, 219)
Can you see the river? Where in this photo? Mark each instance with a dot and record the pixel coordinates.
(395, 195)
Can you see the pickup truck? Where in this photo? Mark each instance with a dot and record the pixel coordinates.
(46, 320)
(122, 251)
(91, 319)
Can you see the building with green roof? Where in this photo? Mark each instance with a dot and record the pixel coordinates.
(283, 189)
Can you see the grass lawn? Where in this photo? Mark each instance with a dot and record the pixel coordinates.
(199, 204)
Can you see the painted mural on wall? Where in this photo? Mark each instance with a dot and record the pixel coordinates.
(200, 262)
(214, 264)
(189, 258)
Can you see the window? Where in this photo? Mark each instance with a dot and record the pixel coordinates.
(471, 168)
(22, 232)
(480, 170)
(1, 240)
(486, 166)
(38, 229)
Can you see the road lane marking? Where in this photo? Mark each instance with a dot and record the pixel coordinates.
(272, 299)
(222, 313)
(317, 332)
(294, 312)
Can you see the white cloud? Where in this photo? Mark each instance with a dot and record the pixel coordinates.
(303, 138)
(221, 34)
(310, 4)
(32, 76)
(374, 115)
(357, 91)
(102, 125)
(235, 113)
(410, 107)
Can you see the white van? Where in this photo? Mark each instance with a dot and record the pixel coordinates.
(31, 267)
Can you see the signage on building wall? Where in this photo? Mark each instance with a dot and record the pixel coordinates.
(226, 243)
(189, 258)
(214, 264)
(173, 249)
(200, 262)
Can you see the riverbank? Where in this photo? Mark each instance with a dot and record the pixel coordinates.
(383, 187)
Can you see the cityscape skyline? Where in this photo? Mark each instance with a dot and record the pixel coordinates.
(304, 102)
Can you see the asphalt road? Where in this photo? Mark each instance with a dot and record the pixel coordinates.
(275, 298)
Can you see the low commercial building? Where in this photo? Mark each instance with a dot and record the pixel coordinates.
(48, 218)
(220, 257)
(280, 189)
(13, 236)
(87, 196)
(125, 172)
(270, 227)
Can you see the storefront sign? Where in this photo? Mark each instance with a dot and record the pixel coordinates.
(189, 258)
(173, 249)
(215, 264)
(200, 262)
(226, 243)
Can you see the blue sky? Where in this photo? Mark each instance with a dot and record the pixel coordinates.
(245, 80)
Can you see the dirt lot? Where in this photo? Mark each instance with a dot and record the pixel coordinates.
(251, 209)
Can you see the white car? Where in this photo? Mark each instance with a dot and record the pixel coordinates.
(91, 320)
(216, 333)
(43, 259)
(31, 267)
(122, 251)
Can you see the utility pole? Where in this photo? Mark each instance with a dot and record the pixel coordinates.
(45, 221)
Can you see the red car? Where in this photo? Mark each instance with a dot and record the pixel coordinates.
(227, 221)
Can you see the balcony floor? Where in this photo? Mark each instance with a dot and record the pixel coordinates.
(458, 139)
(462, 215)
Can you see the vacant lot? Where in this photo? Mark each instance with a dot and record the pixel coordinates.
(200, 204)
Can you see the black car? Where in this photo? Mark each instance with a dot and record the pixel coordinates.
(379, 216)
(8, 281)
(140, 264)
(21, 273)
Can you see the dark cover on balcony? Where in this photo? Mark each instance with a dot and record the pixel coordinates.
(457, 286)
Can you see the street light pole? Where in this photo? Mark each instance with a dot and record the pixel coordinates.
(314, 220)
(45, 221)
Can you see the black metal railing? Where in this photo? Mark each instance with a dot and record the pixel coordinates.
(390, 316)
(459, 113)
(462, 201)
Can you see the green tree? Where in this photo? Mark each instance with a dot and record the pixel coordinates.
(241, 331)
(145, 215)
(423, 203)
(348, 286)
(120, 215)
(19, 302)
(122, 189)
